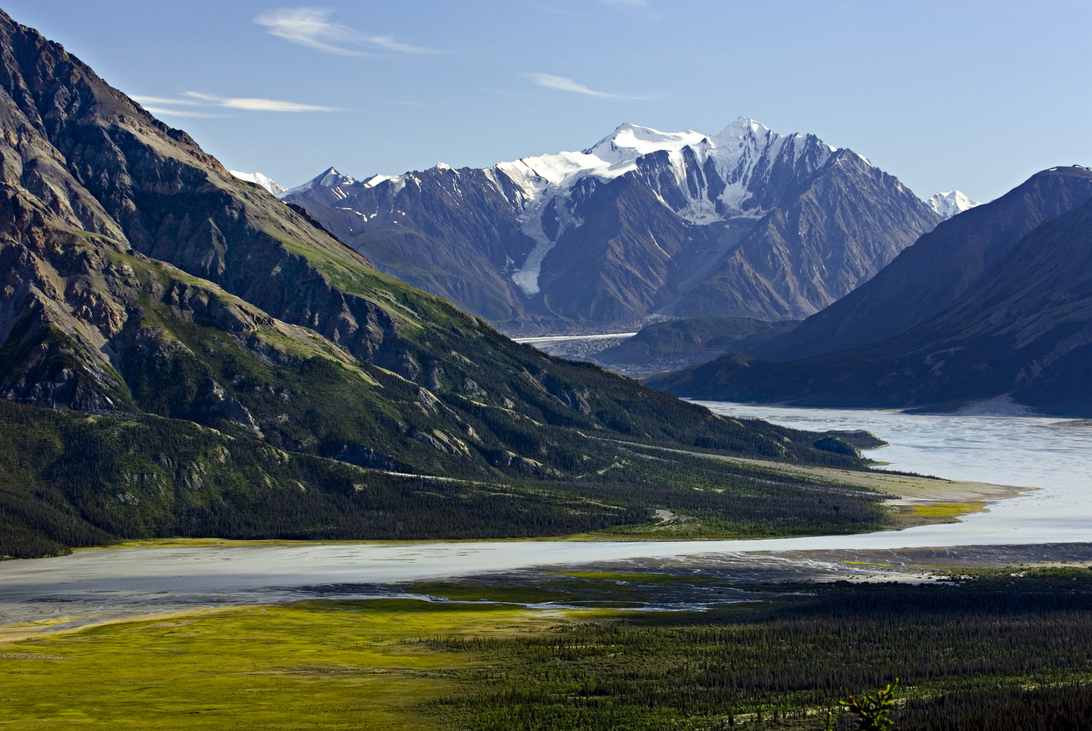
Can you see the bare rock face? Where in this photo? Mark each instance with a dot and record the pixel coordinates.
(94, 185)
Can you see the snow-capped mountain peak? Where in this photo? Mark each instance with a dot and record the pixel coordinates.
(738, 174)
(742, 127)
(745, 140)
(329, 178)
(630, 141)
(703, 179)
(268, 183)
(641, 222)
(949, 203)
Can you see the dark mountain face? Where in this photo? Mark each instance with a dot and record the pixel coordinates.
(929, 276)
(246, 373)
(1021, 329)
(746, 223)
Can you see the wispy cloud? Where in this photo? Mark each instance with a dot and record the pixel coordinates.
(311, 27)
(194, 104)
(627, 3)
(561, 83)
(255, 105)
(163, 106)
(144, 101)
(164, 111)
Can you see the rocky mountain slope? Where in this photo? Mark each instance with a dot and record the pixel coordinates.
(1020, 328)
(233, 369)
(744, 223)
(929, 276)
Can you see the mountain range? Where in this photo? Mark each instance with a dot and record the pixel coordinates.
(743, 223)
(993, 304)
(181, 353)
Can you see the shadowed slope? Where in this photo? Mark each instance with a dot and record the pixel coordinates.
(1022, 330)
(927, 277)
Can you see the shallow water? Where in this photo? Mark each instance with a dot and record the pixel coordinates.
(1031, 452)
(1005, 450)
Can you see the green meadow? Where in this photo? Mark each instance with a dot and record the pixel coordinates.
(328, 665)
(567, 651)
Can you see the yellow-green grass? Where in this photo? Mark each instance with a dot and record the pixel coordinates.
(183, 542)
(945, 510)
(306, 665)
(475, 591)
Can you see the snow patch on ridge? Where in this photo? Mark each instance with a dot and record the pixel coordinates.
(268, 183)
(398, 182)
(704, 179)
(952, 202)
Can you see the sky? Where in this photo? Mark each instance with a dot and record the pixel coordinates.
(974, 95)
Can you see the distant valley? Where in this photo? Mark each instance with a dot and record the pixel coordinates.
(681, 430)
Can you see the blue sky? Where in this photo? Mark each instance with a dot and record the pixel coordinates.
(974, 95)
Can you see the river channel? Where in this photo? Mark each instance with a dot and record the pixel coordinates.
(1031, 452)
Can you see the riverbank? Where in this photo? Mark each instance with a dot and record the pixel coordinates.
(917, 499)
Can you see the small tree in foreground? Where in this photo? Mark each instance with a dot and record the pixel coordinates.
(872, 710)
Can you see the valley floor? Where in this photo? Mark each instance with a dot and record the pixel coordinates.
(138, 578)
(751, 640)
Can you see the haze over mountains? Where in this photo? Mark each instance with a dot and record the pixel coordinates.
(995, 303)
(745, 223)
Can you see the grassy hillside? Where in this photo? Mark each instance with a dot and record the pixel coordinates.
(69, 479)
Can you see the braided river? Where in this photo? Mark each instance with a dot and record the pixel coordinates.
(1050, 454)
